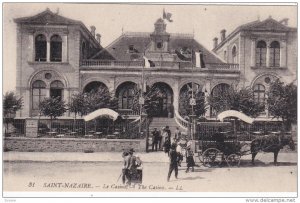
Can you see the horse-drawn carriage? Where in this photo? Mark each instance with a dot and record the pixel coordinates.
(218, 142)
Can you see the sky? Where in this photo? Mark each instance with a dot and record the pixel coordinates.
(204, 20)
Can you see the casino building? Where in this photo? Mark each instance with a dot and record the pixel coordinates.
(58, 56)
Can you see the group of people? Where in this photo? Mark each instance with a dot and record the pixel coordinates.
(132, 170)
(173, 148)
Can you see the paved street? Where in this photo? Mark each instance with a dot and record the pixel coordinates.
(89, 175)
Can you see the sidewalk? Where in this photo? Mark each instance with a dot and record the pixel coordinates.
(151, 157)
(81, 157)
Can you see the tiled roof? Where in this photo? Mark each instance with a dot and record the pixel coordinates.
(141, 42)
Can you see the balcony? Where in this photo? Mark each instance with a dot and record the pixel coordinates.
(159, 65)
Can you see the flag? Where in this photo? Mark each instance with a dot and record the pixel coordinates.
(199, 59)
(167, 16)
(148, 63)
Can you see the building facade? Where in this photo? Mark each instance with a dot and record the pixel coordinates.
(57, 56)
(265, 51)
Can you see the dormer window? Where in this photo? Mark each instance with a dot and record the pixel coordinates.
(132, 49)
(159, 45)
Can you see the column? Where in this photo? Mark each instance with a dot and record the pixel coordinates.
(268, 55)
(176, 96)
(48, 51)
(283, 53)
(30, 48)
(206, 94)
(65, 48)
(253, 47)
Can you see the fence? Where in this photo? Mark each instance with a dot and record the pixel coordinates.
(244, 131)
(15, 127)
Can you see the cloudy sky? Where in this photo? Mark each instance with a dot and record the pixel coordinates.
(205, 21)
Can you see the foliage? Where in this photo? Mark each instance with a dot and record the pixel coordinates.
(76, 104)
(52, 107)
(233, 99)
(282, 102)
(151, 100)
(185, 109)
(11, 104)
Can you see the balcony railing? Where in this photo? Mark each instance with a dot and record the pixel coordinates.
(101, 64)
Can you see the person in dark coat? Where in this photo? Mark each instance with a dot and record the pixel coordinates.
(167, 145)
(125, 169)
(173, 162)
(167, 129)
(155, 139)
(190, 159)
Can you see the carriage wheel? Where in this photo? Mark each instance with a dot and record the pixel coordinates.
(212, 157)
(233, 160)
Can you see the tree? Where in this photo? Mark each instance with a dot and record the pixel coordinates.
(52, 107)
(11, 104)
(185, 109)
(76, 105)
(282, 102)
(233, 99)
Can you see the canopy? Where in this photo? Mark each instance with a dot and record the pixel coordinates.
(237, 114)
(101, 112)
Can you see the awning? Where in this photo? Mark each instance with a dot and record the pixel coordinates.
(236, 114)
(101, 112)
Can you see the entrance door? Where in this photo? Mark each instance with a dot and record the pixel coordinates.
(165, 100)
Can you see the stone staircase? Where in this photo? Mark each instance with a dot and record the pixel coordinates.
(159, 123)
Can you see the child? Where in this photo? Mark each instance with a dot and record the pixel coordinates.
(190, 159)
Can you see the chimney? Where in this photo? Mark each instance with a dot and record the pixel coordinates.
(284, 21)
(93, 29)
(223, 34)
(215, 42)
(98, 37)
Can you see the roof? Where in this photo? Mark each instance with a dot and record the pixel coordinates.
(266, 25)
(47, 17)
(140, 42)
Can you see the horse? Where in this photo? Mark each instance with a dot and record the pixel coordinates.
(271, 143)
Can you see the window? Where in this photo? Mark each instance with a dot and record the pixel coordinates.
(234, 55)
(55, 48)
(38, 93)
(225, 55)
(260, 53)
(40, 48)
(275, 54)
(259, 93)
(83, 50)
(127, 98)
(159, 45)
(56, 89)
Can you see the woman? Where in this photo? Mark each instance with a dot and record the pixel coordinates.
(190, 159)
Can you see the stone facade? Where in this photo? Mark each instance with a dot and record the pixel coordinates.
(24, 144)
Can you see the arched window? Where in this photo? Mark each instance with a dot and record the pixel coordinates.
(274, 54)
(234, 55)
(83, 50)
(40, 48)
(259, 93)
(219, 91)
(56, 89)
(55, 48)
(127, 98)
(261, 51)
(38, 94)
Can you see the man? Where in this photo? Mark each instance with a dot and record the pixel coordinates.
(177, 133)
(173, 162)
(155, 139)
(167, 129)
(125, 169)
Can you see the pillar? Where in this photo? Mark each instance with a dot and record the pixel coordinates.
(48, 51)
(176, 96)
(283, 53)
(268, 55)
(253, 47)
(206, 94)
(65, 48)
(30, 48)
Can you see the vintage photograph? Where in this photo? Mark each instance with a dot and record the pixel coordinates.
(156, 98)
